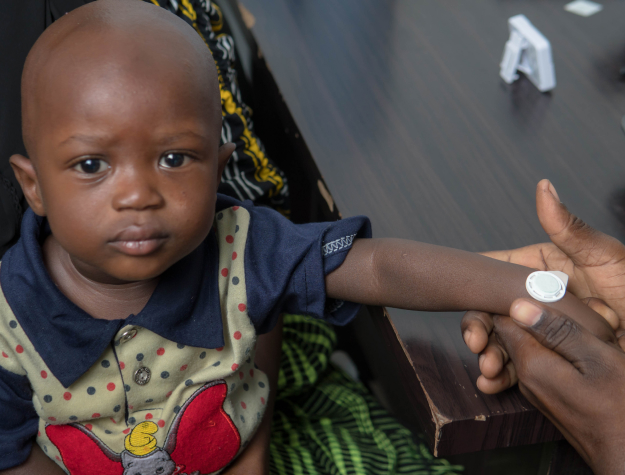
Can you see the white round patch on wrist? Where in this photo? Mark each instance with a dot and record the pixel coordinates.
(546, 286)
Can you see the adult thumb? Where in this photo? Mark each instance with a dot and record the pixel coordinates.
(569, 233)
(555, 331)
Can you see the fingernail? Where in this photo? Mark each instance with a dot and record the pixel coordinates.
(480, 359)
(552, 190)
(466, 335)
(526, 313)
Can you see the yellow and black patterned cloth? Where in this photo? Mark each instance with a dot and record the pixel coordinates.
(249, 174)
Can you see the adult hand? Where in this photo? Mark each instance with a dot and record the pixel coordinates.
(594, 262)
(571, 376)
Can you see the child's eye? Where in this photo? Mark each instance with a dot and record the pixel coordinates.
(91, 166)
(174, 160)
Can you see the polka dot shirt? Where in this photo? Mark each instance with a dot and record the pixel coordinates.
(147, 374)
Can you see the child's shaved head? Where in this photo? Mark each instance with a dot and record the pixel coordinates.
(108, 39)
(122, 124)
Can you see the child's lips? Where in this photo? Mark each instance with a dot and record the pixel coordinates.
(138, 240)
(138, 248)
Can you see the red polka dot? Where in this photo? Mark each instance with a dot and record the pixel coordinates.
(234, 256)
(125, 431)
(113, 421)
(242, 307)
(241, 375)
(262, 399)
(95, 415)
(19, 349)
(122, 365)
(237, 335)
(149, 416)
(224, 272)
(234, 208)
(44, 375)
(252, 373)
(57, 457)
(67, 396)
(235, 367)
(221, 348)
(183, 367)
(52, 419)
(243, 405)
(88, 426)
(38, 433)
(161, 423)
(160, 351)
(5, 355)
(110, 386)
(229, 239)
(130, 407)
(168, 394)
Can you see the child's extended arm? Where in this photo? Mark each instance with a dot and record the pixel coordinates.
(418, 276)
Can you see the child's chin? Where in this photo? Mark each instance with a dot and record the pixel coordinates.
(137, 270)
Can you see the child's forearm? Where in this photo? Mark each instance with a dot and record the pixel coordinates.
(37, 464)
(255, 458)
(418, 276)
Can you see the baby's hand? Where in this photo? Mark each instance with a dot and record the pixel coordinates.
(498, 372)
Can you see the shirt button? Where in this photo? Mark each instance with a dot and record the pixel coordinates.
(127, 335)
(142, 376)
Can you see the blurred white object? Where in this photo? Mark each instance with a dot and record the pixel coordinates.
(528, 51)
(344, 361)
(583, 7)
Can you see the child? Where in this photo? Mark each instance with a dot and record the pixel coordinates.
(133, 299)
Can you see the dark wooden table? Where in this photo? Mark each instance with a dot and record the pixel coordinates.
(401, 106)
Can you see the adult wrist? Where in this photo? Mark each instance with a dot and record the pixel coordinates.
(608, 458)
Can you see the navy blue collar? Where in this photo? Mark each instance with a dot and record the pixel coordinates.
(183, 308)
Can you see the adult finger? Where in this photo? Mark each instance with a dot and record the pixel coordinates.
(543, 256)
(602, 309)
(555, 331)
(572, 235)
(493, 359)
(476, 327)
(620, 337)
(504, 380)
(538, 367)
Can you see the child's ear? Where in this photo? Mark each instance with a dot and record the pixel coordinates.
(27, 177)
(225, 151)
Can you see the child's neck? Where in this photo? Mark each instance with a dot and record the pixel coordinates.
(105, 301)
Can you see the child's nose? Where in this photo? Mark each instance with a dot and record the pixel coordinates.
(137, 190)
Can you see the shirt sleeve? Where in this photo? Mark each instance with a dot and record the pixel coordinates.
(18, 419)
(286, 265)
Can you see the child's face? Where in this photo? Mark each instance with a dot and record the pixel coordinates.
(127, 164)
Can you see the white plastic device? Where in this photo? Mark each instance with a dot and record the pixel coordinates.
(528, 51)
(547, 286)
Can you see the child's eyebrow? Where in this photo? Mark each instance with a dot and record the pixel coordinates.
(82, 138)
(181, 135)
(164, 141)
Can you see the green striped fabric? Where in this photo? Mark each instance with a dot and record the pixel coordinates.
(326, 423)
